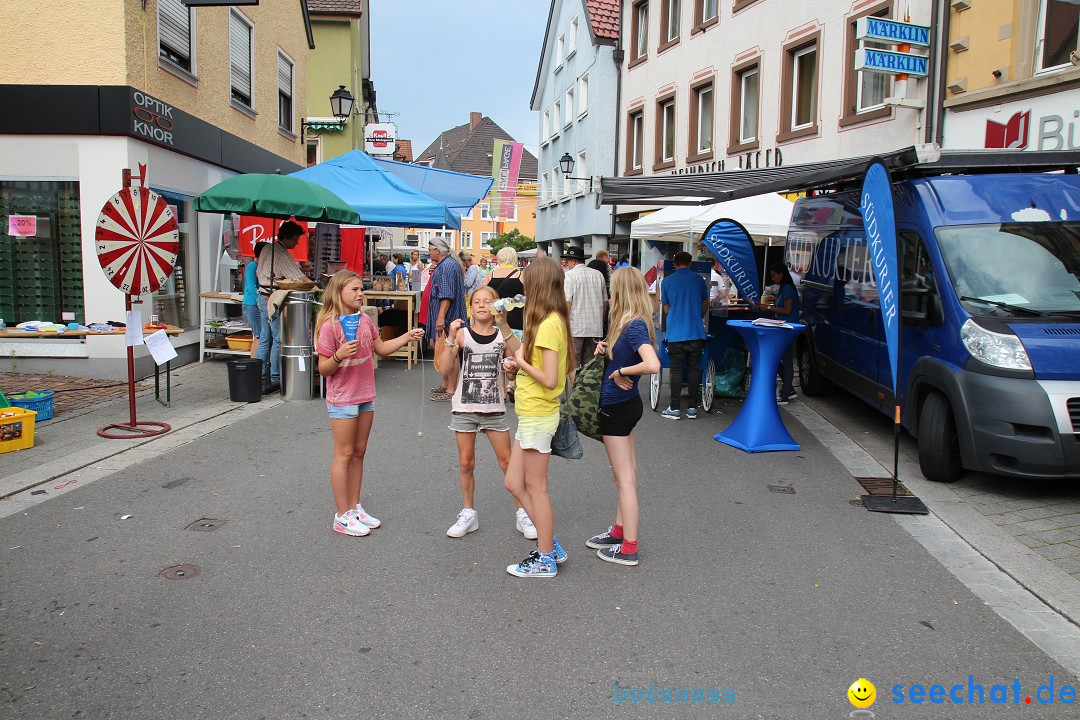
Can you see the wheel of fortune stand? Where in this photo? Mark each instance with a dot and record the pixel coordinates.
(137, 241)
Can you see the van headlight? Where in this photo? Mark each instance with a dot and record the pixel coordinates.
(1002, 351)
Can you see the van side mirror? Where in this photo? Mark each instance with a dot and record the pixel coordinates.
(920, 304)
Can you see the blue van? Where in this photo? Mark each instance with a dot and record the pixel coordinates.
(990, 273)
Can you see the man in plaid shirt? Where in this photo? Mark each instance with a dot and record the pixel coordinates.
(275, 263)
(586, 292)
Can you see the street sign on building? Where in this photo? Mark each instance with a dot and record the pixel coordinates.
(891, 31)
(380, 138)
(891, 63)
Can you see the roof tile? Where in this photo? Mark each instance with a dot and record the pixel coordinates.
(335, 7)
(469, 151)
(604, 16)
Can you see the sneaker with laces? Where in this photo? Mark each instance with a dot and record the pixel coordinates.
(785, 399)
(603, 540)
(441, 397)
(349, 524)
(466, 523)
(538, 564)
(370, 520)
(558, 551)
(616, 555)
(525, 525)
(670, 414)
(691, 413)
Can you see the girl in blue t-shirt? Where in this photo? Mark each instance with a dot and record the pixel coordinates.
(252, 315)
(630, 352)
(786, 308)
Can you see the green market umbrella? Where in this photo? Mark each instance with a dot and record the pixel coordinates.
(279, 196)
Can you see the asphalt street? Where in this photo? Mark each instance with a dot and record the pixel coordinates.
(777, 600)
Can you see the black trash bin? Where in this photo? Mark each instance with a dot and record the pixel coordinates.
(245, 380)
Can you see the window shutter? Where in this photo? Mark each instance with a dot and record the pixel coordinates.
(284, 74)
(174, 27)
(240, 55)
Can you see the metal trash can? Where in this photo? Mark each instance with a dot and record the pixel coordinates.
(245, 380)
(298, 369)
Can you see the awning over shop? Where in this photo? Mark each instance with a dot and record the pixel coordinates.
(459, 191)
(764, 216)
(378, 195)
(707, 188)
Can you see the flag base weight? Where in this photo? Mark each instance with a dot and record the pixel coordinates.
(908, 504)
(134, 431)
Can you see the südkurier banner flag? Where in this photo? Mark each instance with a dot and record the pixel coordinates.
(876, 206)
(505, 166)
(729, 243)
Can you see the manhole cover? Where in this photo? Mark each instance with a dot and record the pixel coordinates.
(180, 572)
(782, 489)
(206, 525)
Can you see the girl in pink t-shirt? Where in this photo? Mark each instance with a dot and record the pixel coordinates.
(350, 393)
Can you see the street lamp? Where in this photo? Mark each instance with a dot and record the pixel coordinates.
(341, 105)
(566, 166)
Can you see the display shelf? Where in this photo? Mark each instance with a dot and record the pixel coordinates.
(207, 300)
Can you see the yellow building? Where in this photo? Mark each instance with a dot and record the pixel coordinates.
(1013, 75)
(195, 94)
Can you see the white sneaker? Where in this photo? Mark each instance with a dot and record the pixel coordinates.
(349, 524)
(525, 525)
(466, 523)
(370, 520)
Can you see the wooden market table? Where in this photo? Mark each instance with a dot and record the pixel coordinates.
(172, 330)
(409, 298)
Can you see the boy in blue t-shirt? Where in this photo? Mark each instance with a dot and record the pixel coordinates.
(684, 296)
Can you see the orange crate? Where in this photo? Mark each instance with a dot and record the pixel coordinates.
(16, 429)
(239, 341)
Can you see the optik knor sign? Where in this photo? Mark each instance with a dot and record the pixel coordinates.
(151, 118)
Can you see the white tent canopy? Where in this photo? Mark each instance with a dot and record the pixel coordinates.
(765, 217)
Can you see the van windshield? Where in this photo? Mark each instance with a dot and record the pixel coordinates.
(1014, 269)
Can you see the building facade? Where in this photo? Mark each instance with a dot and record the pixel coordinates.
(197, 95)
(576, 96)
(1013, 75)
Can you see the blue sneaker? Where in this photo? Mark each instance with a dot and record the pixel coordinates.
(559, 553)
(691, 413)
(670, 414)
(538, 564)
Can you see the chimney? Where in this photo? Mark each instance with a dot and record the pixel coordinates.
(474, 120)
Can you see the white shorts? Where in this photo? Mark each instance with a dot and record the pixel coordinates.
(535, 433)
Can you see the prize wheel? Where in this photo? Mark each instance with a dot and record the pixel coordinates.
(137, 240)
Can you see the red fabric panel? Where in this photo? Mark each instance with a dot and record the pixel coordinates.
(352, 248)
(260, 229)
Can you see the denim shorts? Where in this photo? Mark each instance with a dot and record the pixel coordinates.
(535, 433)
(254, 319)
(349, 412)
(467, 422)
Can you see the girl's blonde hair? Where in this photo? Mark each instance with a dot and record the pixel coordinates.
(489, 290)
(543, 281)
(507, 256)
(629, 300)
(331, 300)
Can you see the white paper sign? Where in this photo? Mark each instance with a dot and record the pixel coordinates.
(68, 316)
(133, 333)
(303, 364)
(160, 348)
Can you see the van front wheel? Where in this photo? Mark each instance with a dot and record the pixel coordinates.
(939, 446)
(810, 380)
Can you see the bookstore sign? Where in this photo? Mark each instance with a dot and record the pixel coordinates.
(1050, 122)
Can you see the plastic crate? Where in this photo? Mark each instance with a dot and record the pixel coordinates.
(42, 404)
(16, 429)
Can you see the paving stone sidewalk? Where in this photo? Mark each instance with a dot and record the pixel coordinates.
(72, 393)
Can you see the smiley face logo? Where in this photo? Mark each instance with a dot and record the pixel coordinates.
(862, 693)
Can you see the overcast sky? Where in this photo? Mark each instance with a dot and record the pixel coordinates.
(435, 61)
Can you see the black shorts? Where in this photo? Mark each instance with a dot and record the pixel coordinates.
(620, 419)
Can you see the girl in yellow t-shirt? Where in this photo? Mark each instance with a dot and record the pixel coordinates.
(542, 362)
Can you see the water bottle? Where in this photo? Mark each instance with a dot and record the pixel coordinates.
(505, 305)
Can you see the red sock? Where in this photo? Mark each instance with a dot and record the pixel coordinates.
(616, 531)
(629, 547)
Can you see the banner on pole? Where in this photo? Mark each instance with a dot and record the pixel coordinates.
(729, 243)
(505, 167)
(876, 206)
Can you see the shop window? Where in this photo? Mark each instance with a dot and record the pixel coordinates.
(865, 92)
(799, 89)
(41, 276)
(639, 48)
(635, 142)
(176, 32)
(177, 300)
(665, 132)
(701, 121)
(1059, 34)
(285, 92)
(240, 54)
(670, 16)
(745, 93)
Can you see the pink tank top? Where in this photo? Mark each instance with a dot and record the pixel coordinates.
(480, 385)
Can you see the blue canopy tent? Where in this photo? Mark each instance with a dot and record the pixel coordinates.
(381, 197)
(459, 191)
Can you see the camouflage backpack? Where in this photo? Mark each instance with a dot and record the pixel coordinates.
(584, 401)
